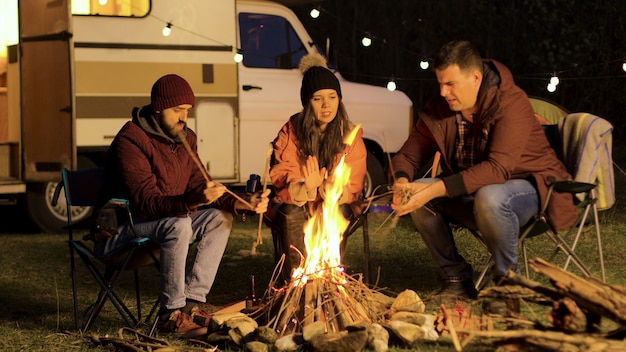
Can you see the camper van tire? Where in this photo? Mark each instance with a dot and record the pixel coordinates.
(38, 204)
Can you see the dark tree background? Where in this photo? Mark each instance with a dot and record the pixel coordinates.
(580, 41)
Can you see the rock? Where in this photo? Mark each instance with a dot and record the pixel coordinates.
(340, 341)
(288, 343)
(265, 334)
(245, 324)
(241, 328)
(218, 320)
(377, 338)
(408, 301)
(430, 333)
(410, 317)
(314, 329)
(257, 346)
(409, 333)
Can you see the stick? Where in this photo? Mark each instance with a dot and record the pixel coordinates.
(450, 326)
(194, 157)
(268, 158)
(205, 173)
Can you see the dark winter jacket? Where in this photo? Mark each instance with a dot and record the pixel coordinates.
(511, 144)
(153, 171)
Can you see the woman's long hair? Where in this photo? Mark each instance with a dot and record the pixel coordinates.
(325, 146)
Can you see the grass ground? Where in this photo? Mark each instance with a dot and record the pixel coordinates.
(36, 296)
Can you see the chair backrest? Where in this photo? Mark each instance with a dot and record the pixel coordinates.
(586, 151)
(82, 187)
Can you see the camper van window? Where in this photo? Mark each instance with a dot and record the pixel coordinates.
(269, 41)
(123, 8)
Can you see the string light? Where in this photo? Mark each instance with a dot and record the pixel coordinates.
(315, 13)
(554, 80)
(366, 41)
(551, 87)
(167, 30)
(624, 66)
(424, 64)
(238, 56)
(391, 85)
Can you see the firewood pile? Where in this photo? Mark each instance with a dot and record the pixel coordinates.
(578, 306)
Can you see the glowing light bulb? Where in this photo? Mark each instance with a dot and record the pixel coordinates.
(624, 66)
(102, 2)
(366, 41)
(315, 13)
(551, 87)
(554, 80)
(391, 86)
(424, 64)
(238, 57)
(167, 30)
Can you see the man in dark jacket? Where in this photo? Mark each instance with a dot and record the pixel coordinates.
(495, 162)
(174, 201)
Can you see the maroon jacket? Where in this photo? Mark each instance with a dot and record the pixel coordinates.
(511, 145)
(154, 172)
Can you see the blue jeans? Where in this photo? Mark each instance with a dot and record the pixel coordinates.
(209, 228)
(497, 211)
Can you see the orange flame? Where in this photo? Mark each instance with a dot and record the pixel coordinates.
(323, 232)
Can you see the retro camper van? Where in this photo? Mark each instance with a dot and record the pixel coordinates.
(80, 67)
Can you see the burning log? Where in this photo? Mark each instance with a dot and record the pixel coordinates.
(338, 301)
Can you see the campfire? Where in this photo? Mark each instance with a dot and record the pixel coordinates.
(320, 290)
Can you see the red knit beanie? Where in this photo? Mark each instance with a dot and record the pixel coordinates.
(169, 91)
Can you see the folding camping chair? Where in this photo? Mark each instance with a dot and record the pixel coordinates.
(82, 189)
(583, 142)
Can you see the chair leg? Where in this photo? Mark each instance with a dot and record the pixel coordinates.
(74, 294)
(525, 256)
(107, 291)
(599, 238)
(581, 226)
(137, 293)
(483, 274)
(107, 283)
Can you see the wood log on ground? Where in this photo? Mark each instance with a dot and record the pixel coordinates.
(554, 340)
(589, 293)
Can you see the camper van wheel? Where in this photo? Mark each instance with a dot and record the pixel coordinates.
(38, 204)
(375, 175)
(47, 217)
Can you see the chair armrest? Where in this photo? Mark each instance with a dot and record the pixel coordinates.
(116, 203)
(572, 186)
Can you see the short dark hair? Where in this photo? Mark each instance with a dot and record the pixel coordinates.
(458, 52)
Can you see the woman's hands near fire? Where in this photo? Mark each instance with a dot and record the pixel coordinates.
(313, 175)
(410, 196)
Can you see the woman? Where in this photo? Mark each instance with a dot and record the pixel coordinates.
(306, 150)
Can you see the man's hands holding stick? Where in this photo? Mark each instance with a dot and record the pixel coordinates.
(214, 190)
